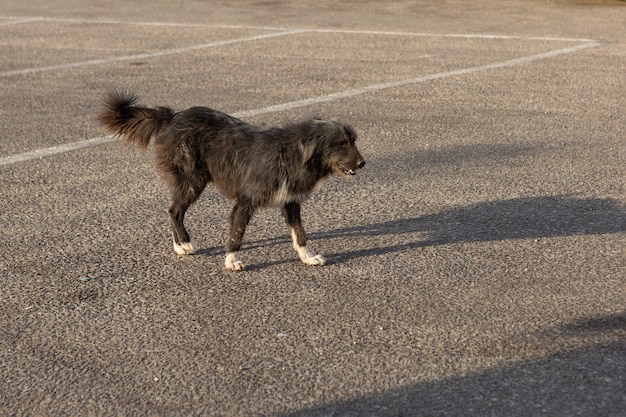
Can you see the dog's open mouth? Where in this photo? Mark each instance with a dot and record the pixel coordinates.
(346, 171)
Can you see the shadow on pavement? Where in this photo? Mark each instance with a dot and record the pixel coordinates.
(589, 381)
(519, 218)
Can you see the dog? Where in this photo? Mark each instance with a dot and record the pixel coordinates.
(255, 167)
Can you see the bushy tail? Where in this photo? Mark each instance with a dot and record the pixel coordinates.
(136, 124)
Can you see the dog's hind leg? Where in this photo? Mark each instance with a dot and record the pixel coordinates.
(239, 219)
(184, 194)
(291, 211)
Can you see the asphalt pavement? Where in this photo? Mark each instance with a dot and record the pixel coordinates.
(476, 265)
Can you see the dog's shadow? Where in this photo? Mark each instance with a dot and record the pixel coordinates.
(519, 218)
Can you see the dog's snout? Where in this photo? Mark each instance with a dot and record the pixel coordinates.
(361, 164)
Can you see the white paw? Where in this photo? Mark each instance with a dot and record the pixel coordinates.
(185, 248)
(308, 258)
(315, 260)
(233, 263)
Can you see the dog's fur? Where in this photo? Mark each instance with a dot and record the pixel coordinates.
(276, 167)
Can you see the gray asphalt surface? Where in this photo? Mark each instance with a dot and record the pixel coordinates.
(476, 265)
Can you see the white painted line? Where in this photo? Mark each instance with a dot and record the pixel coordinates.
(40, 153)
(451, 35)
(409, 81)
(304, 30)
(146, 55)
(281, 32)
(20, 21)
(143, 23)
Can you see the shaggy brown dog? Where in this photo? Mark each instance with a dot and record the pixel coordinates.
(276, 167)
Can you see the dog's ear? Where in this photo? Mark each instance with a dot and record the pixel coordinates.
(310, 138)
(347, 132)
(307, 149)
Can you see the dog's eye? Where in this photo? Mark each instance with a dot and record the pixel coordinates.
(343, 144)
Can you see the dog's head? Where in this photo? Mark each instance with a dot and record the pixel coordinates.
(332, 145)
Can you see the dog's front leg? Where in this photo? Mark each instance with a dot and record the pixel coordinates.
(291, 211)
(239, 219)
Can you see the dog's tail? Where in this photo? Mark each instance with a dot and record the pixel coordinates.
(136, 124)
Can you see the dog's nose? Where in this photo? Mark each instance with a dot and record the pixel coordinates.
(361, 164)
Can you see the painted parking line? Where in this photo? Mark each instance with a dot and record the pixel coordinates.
(53, 150)
(19, 21)
(146, 55)
(28, 19)
(41, 153)
(276, 33)
(452, 35)
(409, 81)
(278, 28)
